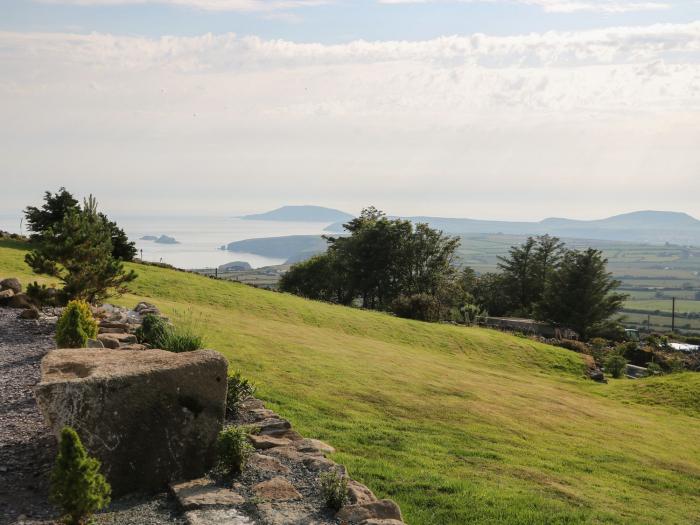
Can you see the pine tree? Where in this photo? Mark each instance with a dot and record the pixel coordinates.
(78, 251)
(77, 486)
(581, 294)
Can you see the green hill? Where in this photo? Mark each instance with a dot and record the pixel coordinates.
(459, 425)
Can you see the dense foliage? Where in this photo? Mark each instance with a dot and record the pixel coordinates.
(233, 449)
(383, 263)
(75, 326)
(156, 332)
(239, 388)
(78, 250)
(77, 487)
(57, 206)
(334, 488)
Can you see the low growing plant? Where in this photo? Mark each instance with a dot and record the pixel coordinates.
(233, 450)
(334, 488)
(75, 326)
(182, 339)
(77, 487)
(615, 365)
(654, 369)
(152, 331)
(42, 295)
(239, 388)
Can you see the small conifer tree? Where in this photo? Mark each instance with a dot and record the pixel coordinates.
(77, 486)
(75, 326)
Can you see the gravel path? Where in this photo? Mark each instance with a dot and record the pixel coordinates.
(27, 448)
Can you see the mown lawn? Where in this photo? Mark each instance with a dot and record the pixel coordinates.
(459, 425)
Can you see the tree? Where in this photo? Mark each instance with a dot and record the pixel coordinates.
(320, 278)
(490, 294)
(526, 270)
(78, 251)
(580, 294)
(77, 486)
(57, 206)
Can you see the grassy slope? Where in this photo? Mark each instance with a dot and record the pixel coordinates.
(458, 425)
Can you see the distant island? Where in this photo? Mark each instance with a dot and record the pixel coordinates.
(163, 239)
(301, 214)
(656, 227)
(235, 266)
(292, 248)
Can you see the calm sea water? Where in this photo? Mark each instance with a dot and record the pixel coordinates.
(200, 237)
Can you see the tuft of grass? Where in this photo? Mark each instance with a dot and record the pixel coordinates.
(458, 425)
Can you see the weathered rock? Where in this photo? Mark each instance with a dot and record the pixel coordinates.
(358, 494)
(258, 414)
(6, 294)
(225, 516)
(125, 339)
(313, 446)
(11, 283)
(144, 308)
(251, 403)
(149, 416)
(109, 342)
(384, 509)
(203, 492)
(104, 330)
(273, 425)
(381, 522)
(268, 464)
(30, 313)
(319, 463)
(20, 300)
(95, 343)
(124, 327)
(267, 442)
(135, 346)
(278, 489)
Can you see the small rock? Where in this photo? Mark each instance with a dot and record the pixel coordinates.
(381, 522)
(6, 294)
(358, 494)
(278, 489)
(109, 342)
(313, 446)
(11, 283)
(267, 442)
(30, 313)
(95, 343)
(267, 426)
(135, 346)
(203, 492)
(262, 413)
(124, 327)
(104, 330)
(21, 300)
(268, 464)
(319, 463)
(383, 509)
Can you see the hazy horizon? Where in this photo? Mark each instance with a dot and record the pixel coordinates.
(509, 110)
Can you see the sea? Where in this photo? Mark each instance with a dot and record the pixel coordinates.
(200, 238)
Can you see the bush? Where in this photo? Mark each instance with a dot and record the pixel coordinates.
(157, 333)
(573, 345)
(233, 450)
(654, 369)
(334, 488)
(77, 486)
(238, 389)
(615, 365)
(75, 326)
(421, 307)
(599, 343)
(182, 339)
(152, 331)
(42, 295)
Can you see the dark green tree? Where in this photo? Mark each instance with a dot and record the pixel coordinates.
(581, 294)
(77, 487)
(520, 276)
(490, 294)
(78, 251)
(57, 206)
(320, 278)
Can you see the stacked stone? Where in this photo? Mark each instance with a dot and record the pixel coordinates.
(11, 296)
(281, 485)
(117, 326)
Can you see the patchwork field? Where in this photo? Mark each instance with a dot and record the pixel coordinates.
(459, 425)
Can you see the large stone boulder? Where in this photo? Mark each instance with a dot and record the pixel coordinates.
(151, 417)
(11, 283)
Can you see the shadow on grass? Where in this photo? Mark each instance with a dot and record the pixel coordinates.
(14, 244)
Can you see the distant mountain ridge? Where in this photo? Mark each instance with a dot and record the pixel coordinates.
(640, 226)
(301, 214)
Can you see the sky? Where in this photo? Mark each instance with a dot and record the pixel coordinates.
(498, 109)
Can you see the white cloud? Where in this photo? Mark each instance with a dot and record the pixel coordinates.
(467, 125)
(209, 5)
(561, 6)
